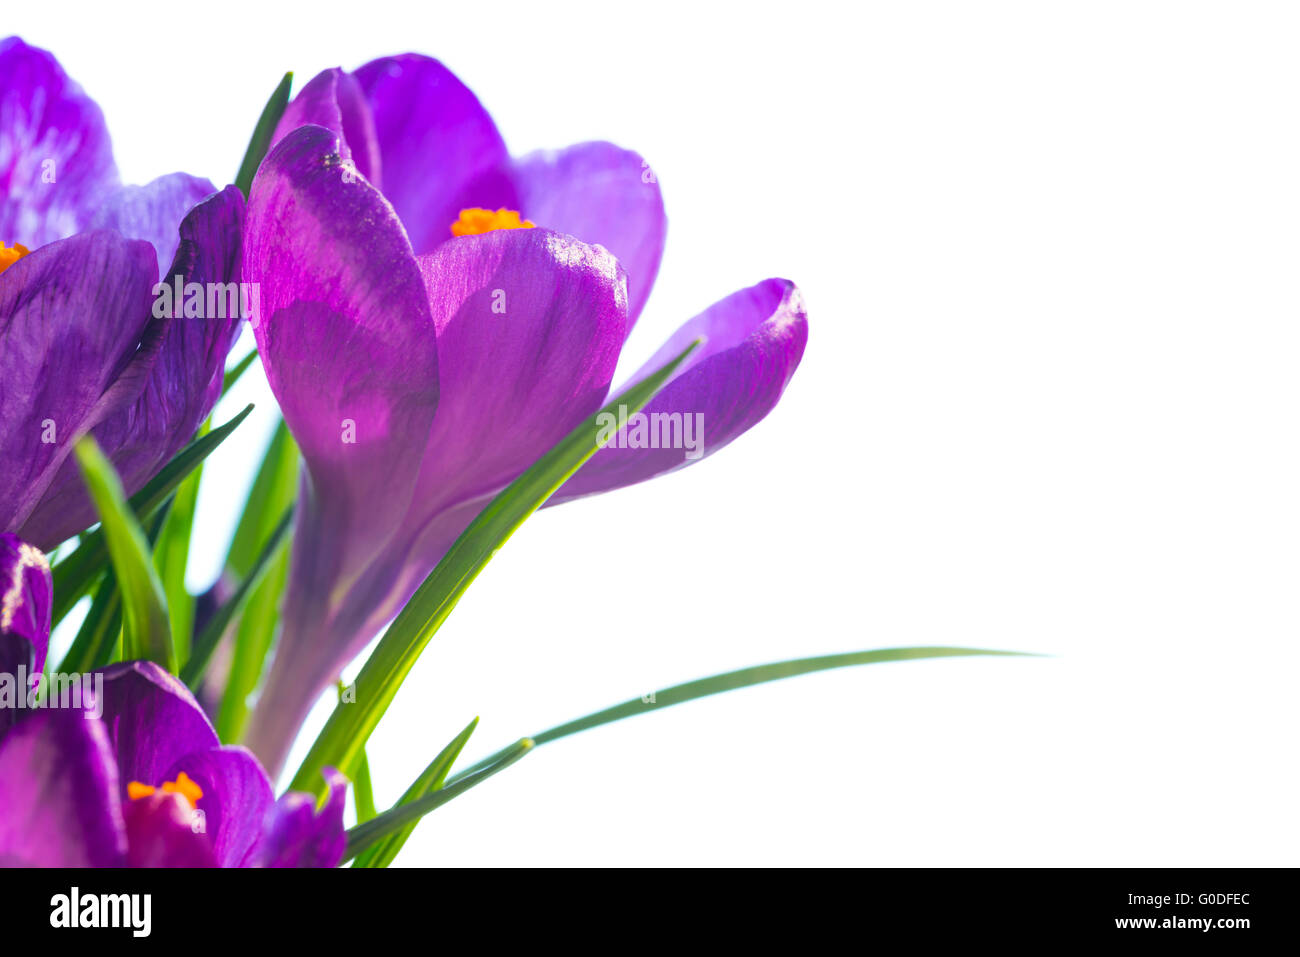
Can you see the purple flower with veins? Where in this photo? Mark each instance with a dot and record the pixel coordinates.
(80, 255)
(25, 609)
(435, 315)
(136, 776)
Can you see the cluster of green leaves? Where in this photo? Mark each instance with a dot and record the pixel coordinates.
(133, 567)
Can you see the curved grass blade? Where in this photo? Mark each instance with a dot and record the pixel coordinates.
(363, 788)
(262, 133)
(97, 638)
(392, 822)
(734, 680)
(171, 555)
(146, 628)
(206, 643)
(404, 815)
(345, 734)
(274, 489)
(747, 677)
(363, 791)
(233, 375)
(74, 575)
(382, 852)
(252, 643)
(98, 641)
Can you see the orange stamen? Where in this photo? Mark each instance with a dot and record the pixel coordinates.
(11, 255)
(474, 221)
(183, 785)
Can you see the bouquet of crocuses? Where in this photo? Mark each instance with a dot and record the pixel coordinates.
(439, 322)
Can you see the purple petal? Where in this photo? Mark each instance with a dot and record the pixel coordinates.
(236, 798)
(58, 794)
(529, 327)
(26, 592)
(439, 146)
(152, 720)
(154, 212)
(75, 322)
(600, 194)
(334, 100)
(184, 382)
(754, 340)
(162, 830)
(348, 345)
(25, 598)
(56, 160)
(296, 836)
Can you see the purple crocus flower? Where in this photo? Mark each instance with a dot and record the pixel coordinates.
(435, 316)
(124, 769)
(25, 609)
(80, 256)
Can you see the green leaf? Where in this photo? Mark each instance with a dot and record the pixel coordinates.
(273, 490)
(734, 680)
(146, 629)
(74, 576)
(262, 133)
(98, 641)
(172, 552)
(206, 642)
(757, 675)
(392, 822)
(363, 792)
(233, 375)
(345, 734)
(363, 788)
(253, 639)
(404, 815)
(382, 852)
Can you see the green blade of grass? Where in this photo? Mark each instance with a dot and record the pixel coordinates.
(252, 642)
(98, 641)
(172, 552)
(146, 628)
(345, 734)
(260, 141)
(392, 822)
(366, 841)
(746, 678)
(233, 375)
(382, 852)
(274, 489)
(74, 576)
(206, 642)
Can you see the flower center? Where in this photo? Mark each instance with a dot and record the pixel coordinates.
(11, 255)
(183, 785)
(475, 220)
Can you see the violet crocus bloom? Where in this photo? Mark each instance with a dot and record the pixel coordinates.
(435, 316)
(127, 770)
(80, 256)
(25, 609)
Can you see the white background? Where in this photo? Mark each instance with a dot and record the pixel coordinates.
(1049, 403)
